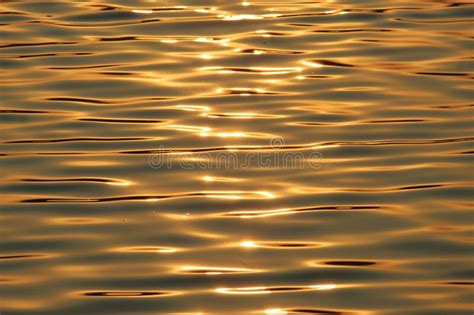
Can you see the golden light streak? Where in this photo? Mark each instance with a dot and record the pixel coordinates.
(193, 108)
(275, 311)
(219, 179)
(143, 11)
(249, 290)
(241, 17)
(206, 56)
(119, 183)
(323, 286)
(213, 270)
(311, 64)
(268, 290)
(248, 244)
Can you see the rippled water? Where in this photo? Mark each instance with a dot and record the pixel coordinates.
(221, 157)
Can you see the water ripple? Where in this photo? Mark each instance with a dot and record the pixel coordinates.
(373, 98)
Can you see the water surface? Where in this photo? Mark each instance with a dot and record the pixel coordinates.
(225, 157)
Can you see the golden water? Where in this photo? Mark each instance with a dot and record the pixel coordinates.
(226, 157)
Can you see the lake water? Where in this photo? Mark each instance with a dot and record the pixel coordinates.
(227, 157)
